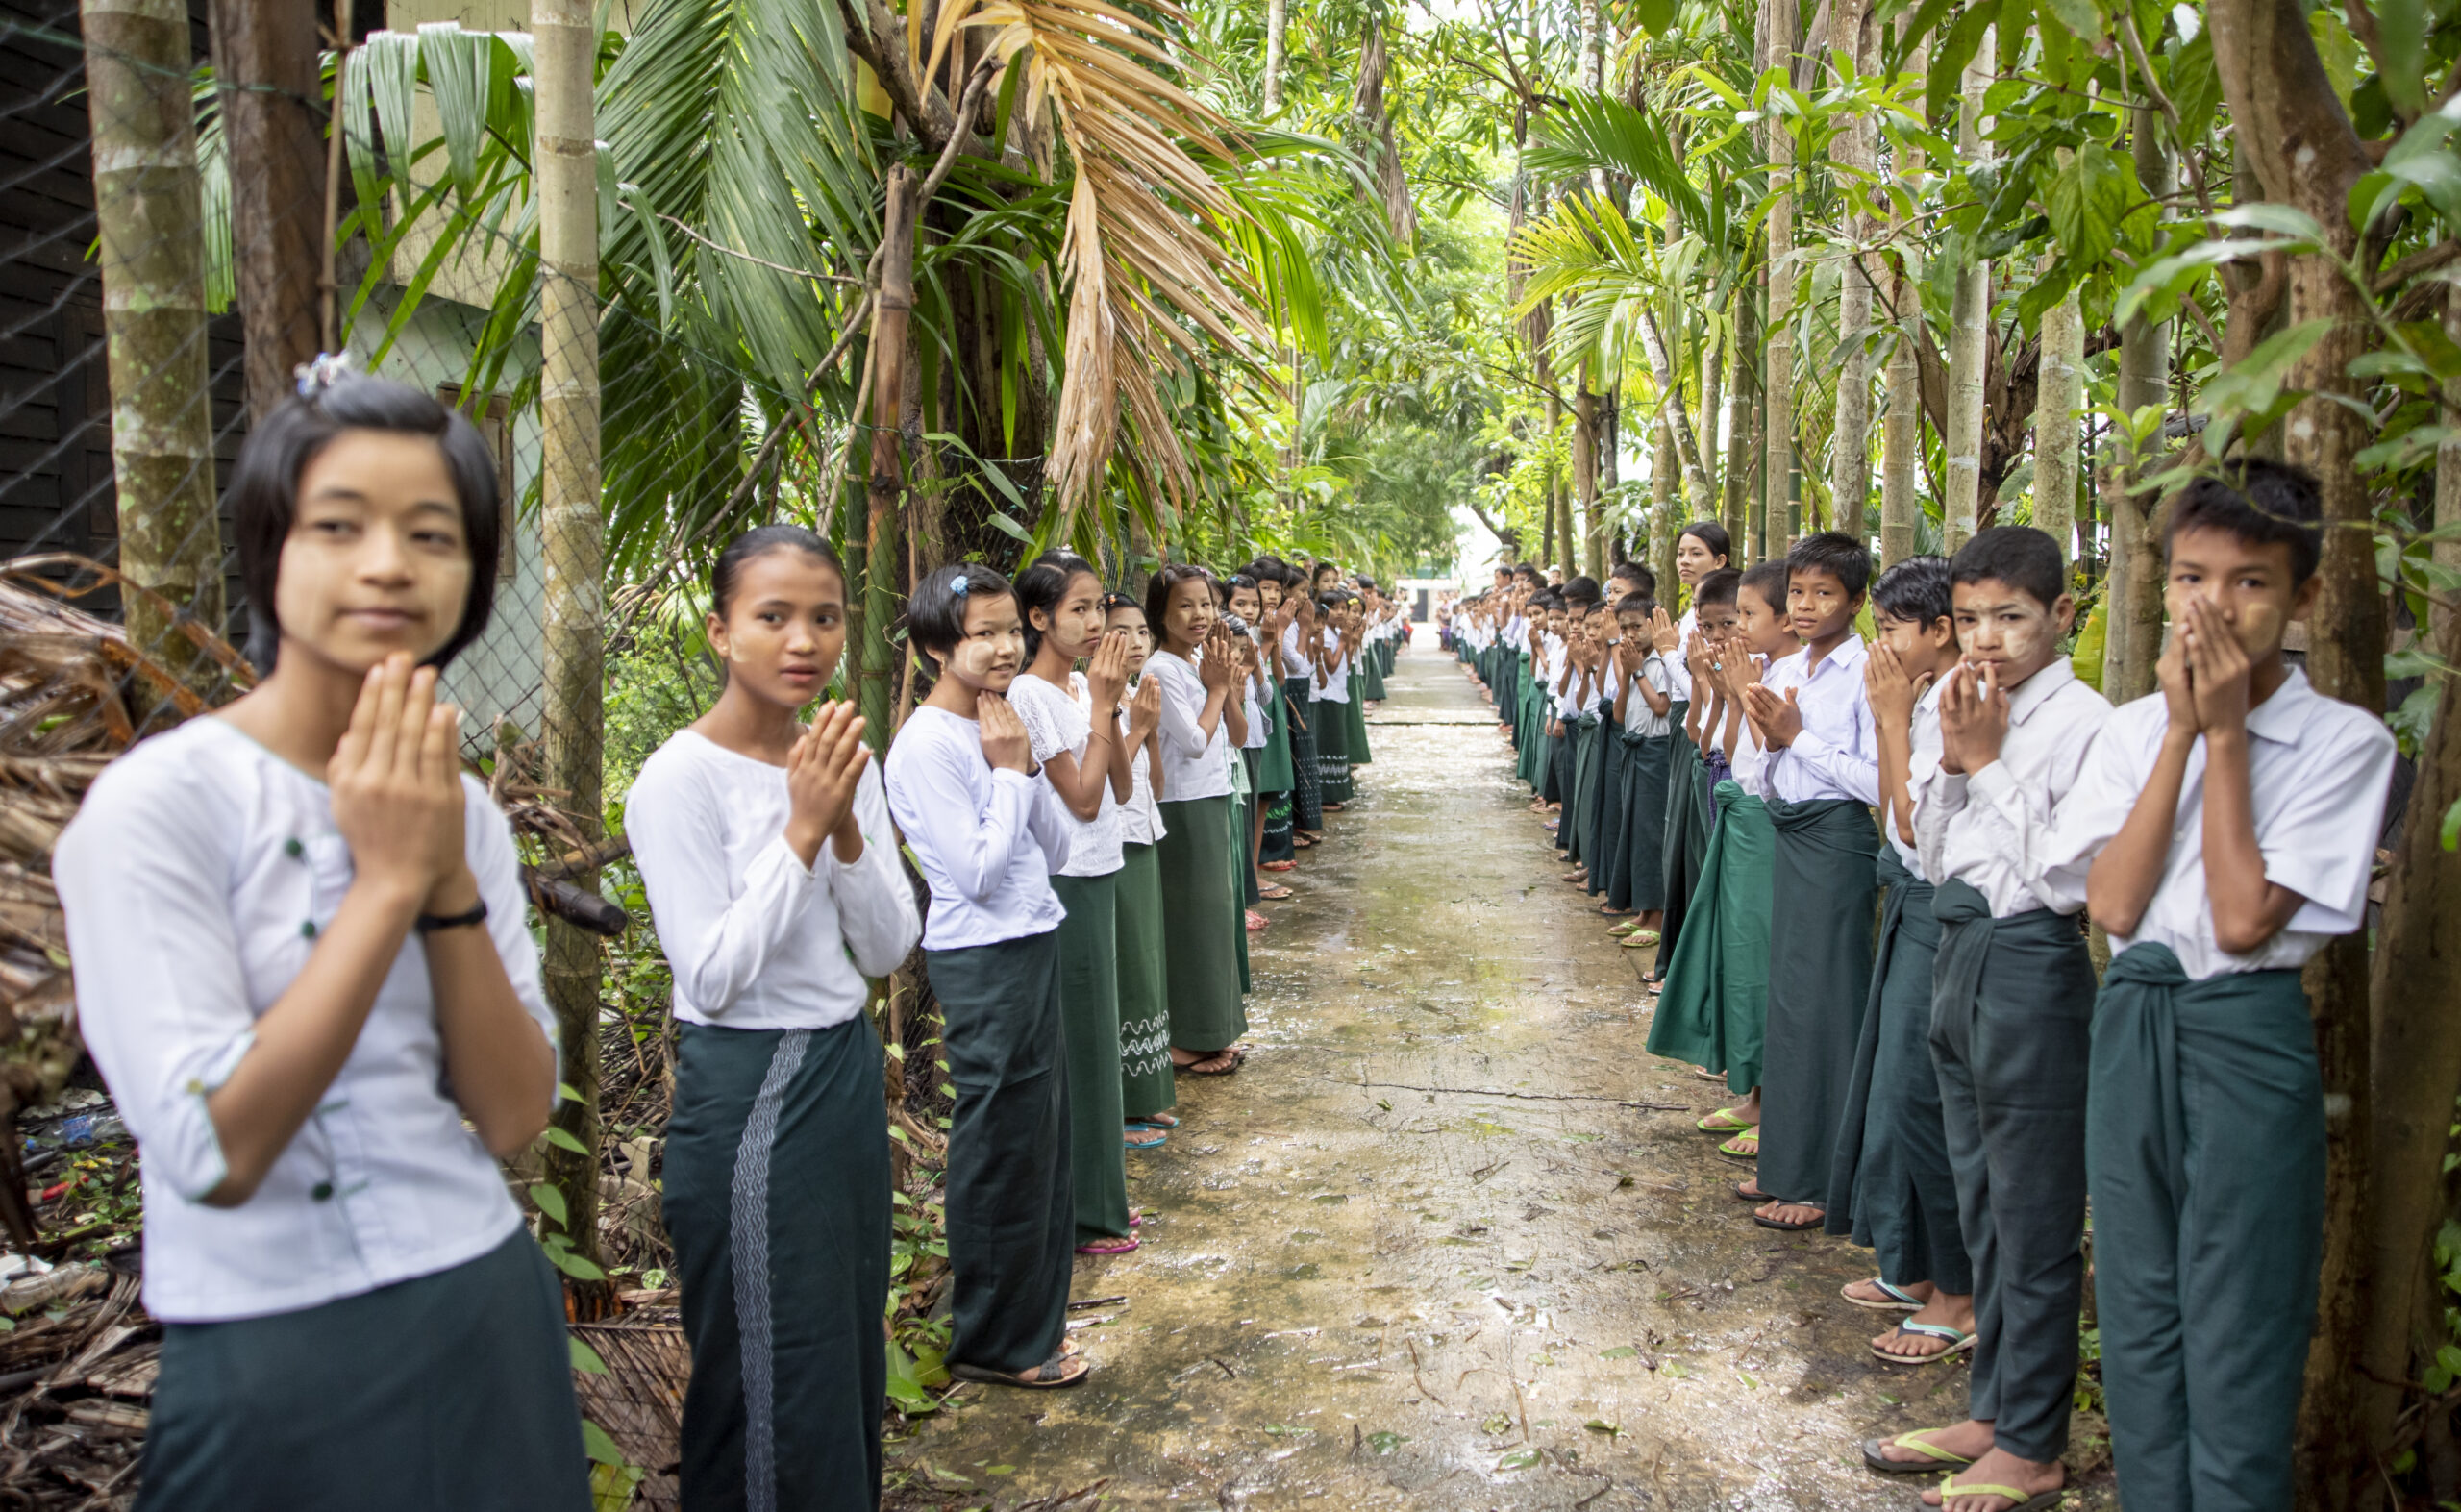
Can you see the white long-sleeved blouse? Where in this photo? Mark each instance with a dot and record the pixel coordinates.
(986, 838)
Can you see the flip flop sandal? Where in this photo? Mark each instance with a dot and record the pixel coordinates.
(1702, 1072)
(1143, 1138)
(1237, 1058)
(1273, 894)
(1899, 1300)
(1119, 1246)
(1641, 940)
(1755, 1198)
(1783, 1226)
(1959, 1341)
(1052, 1375)
(1158, 1120)
(1281, 866)
(1919, 1442)
(1622, 929)
(1724, 1122)
(2044, 1500)
(1729, 1149)
(1258, 920)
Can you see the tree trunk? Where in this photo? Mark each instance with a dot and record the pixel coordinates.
(1779, 385)
(1276, 28)
(1713, 371)
(1743, 442)
(1902, 427)
(1583, 555)
(1662, 516)
(149, 212)
(1668, 373)
(2059, 397)
(1969, 335)
(266, 65)
(892, 312)
(1850, 452)
(2133, 623)
(2447, 481)
(2289, 125)
(565, 43)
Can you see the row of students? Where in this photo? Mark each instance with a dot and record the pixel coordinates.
(1949, 1090)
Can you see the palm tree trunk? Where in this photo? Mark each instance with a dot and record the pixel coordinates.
(2447, 476)
(1276, 28)
(1713, 371)
(1583, 555)
(2058, 401)
(1902, 426)
(1850, 452)
(574, 548)
(2134, 623)
(1968, 322)
(1777, 473)
(266, 65)
(149, 212)
(1662, 513)
(892, 314)
(1743, 443)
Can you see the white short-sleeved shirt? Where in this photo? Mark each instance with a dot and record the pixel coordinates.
(754, 938)
(1141, 818)
(1637, 717)
(2319, 773)
(986, 838)
(1990, 828)
(1678, 669)
(1194, 765)
(1333, 684)
(1923, 760)
(195, 879)
(1057, 721)
(1836, 754)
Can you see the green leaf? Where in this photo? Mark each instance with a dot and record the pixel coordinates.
(585, 1358)
(2451, 836)
(2402, 29)
(2283, 220)
(2082, 19)
(573, 1265)
(551, 1202)
(1602, 1425)
(2411, 721)
(1383, 1442)
(2196, 87)
(596, 1444)
(2086, 202)
(1957, 50)
(1520, 1459)
(1621, 1352)
(563, 1139)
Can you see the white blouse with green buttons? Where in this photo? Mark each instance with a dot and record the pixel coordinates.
(194, 880)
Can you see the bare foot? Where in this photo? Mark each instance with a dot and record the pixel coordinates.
(2000, 1468)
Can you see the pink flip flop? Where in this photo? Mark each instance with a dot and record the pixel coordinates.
(1108, 1247)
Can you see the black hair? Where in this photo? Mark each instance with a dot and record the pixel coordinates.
(1768, 579)
(1547, 599)
(1717, 585)
(1042, 586)
(1713, 535)
(1915, 590)
(1267, 565)
(1329, 602)
(1642, 604)
(1524, 570)
(1157, 591)
(1839, 555)
(2259, 501)
(1319, 569)
(759, 541)
(1637, 572)
(2023, 558)
(1363, 581)
(1239, 580)
(264, 493)
(1113, 603)
(935, 615)
(1583, 590)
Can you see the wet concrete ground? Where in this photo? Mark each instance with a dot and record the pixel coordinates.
(1450, 1239)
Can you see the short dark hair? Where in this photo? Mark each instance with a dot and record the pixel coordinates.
(1157, 591)
(1915, 590)
(759, 541)
(1238, 581)
(1042, 586)
(935, 614)
(2259, 501)
(1839, 555)
(1546, 599)
(1713, 535)
(264, 493)
(2023, 558)
(1583, 590)
(1642, 604)
(1113, 603)
(1768, 579)
(1716, 587)
(1636, 571)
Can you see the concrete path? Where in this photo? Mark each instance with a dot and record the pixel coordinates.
(1450, 1239)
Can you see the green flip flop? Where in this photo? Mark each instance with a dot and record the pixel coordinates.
(1641, 940)
(1734, 1150)
(1959, 1341)
(1724, 1122)
(1935, 1458)
(2040, 1502)
(1899, 1300)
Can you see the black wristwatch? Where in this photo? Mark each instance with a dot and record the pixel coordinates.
(430, 923)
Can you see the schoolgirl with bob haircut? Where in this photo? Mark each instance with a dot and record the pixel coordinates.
(962, 782)
(303, 967)
(773, 877)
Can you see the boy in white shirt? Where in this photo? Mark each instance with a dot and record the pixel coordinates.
(2232, 819)
(2012, 995)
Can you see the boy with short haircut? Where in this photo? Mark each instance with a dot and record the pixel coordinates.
(1821, 783)
(1684, 830)
(1593, 712)
(1890, 1186)
(2232, 818)
(1637, 772)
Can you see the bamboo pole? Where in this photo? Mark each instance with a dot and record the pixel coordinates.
(2133, 623)
(1777, 473)
(1902, 425)
(2060, 396)
(892, 314)
(1969, 324)
(573, 543)
(149, 212)
(1850, 444)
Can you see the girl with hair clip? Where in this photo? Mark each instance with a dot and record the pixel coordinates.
(1201, 720)
(1074, 733)
(1328, 691)
(1148, 1090)
(1275, 776)
(1355, 658)
(303, 969)
(774, 878)
(987, 838)
(1241, 603)
(1298, 671)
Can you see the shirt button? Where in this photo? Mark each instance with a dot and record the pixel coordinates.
(307, 928)
(322, 1191)
(294, 849)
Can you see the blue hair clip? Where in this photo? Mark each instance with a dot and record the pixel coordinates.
(960, 585)
(324, 372)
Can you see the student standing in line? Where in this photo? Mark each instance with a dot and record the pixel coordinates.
(1148, 1091)
(304, 970)
(1701, 548)
(774, 879)
(1355, 707)
(1071, 730)
(1823, 783)
(1890, 1185)
(987, 838)
(1298, 670)
(2011, 1004)
(2235, 816)
(1275, 776)
(1203, 719)
(1714, 1007)
(1610, 875)
(1329, 692)
(1242, 597)
(1647, 724)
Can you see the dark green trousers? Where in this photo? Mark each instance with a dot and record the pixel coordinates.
(1307, 800)
(1822, 901)
(2205, 1149)
(2012, 1003)
(1635, 879)
(1089, 1017)
(1576, 834)
(776, 1195)
(1012, 1215)
(1146, 1082)
(1201, 929)
(1713, 1011)
(451, 1390)
(1607, 823)
(1686, 836)
(1890, 1186)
